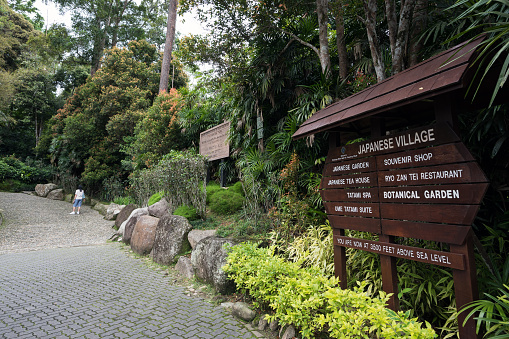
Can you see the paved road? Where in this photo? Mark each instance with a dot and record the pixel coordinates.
(97, 291)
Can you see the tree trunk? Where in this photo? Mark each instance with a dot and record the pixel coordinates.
(168, 46)
(370, 8)
(321, 10)
(392, 24)
(36, 129)
(419, 23)
(99, 47)
(402, 38)
(340, 40)
(114, 38)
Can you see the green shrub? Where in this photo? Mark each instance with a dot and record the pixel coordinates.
(315, 248)
(12, 185)
(243, 227)
(124, 200)
(237, 188)
(212, 188)
(306, 298)
(180, 176)
(188, 212)
(224, 202)
(13, 168)
(112, 188)
(5, 170)
(156, 197)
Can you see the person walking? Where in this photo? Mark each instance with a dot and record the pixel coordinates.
(79, 195)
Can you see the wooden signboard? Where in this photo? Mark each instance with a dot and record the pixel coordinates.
(419, 175)
(420, 183)
(214, 142)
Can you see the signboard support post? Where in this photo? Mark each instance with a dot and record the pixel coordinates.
(208, 174)
(465, 281)
(340, 264)
(339, 251)
(465, 285)
(222, 179)
(389, 274)
(387, 263)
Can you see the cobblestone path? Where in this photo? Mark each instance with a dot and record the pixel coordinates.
(99, 291)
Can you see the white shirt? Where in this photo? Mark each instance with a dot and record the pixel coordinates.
(79, 194)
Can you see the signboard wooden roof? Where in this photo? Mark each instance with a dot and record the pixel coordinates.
(443, 73)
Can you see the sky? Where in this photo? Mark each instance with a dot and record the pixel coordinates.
(52, 15)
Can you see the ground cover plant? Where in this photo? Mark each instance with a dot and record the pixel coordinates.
(312, 302)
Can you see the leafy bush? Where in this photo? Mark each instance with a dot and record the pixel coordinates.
(427, 291)
(124, 200)
(242, 227)
(181, 178)
(314, 303)
(493, 313)
(189, 212)
(224, 202)
(314, 249)
(212, 187)
(12, 185)
(112, 187)
(237, 188)
(31, 173)
(156, 197)
(5, 170)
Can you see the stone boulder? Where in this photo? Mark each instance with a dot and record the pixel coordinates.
(127, 227)
(69, 198)
(124, 215)
(263, 324)
(159, 209)
(112, 211)
(171, 239)
(92, 202)
(289, 333)
(185, 267)
(242, 311)
(195, 236)
(57, 194)
(42, 190)
(100, 208)
(227, 306)
(208, 258)
(142, 239)
(274, 325)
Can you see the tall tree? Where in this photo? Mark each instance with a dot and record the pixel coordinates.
(398, 31)
(34, 102)
(370, 21)
(103, 24)
(168, 46)
(337, 10)
(15, 31)
(322, 10)
(29, 11)
(100, 114)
